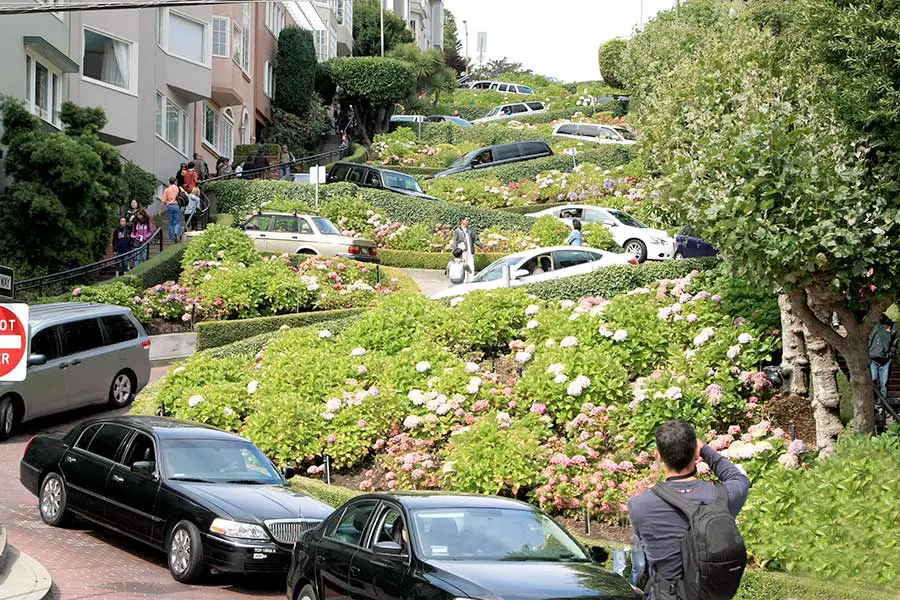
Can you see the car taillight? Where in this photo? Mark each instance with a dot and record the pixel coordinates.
(373, 252)
(354, 250)
(145, 344)
(27, 445)
(633, 261)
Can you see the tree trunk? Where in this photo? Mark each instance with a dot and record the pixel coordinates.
(794, 360)
(858, 363)
(826, 401)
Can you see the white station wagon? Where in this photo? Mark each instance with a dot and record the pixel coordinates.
(306, 234)
(598, 134)
(512, 111)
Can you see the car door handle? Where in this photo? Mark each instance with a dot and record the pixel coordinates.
(71, 459)
(118, 478)
(294, 237)
(262, 235)
(63, 365)
(75, 362)
(320, 558)
(354, 571)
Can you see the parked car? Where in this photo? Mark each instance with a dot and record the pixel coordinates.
(306, 234)
(512, 111)
(500, 154)
(207, 498)
(503, 87)
(380, 179)
(448, 119)
(599, 134)
(405, 121)
(640, 241)
(78, 354)
(688, 246)
(539, 264)
(441, 546)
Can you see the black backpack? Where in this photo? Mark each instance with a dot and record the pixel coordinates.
(712, 552)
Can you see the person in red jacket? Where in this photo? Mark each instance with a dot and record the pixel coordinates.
(191, 177)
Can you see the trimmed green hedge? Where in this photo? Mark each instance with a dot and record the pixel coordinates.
(225, 220)
(359, 154)
(531, 208)
(414, 171)
(213, 334)
(241, 197)
(617, 279)
(758, 584)
(333, 495)
(408, 259)
(242, 151)
(246, 347)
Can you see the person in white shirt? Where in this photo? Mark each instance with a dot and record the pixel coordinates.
(457, 269)
(465, 239)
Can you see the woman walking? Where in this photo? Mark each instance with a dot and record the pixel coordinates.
(141, 233)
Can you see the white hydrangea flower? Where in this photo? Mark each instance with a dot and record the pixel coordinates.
(472, 367)
(704, 336)
(474, 385)
(416, 397)
(503, 420)
(412, 421)
(689, 354)
(583, 381)
(523, 357)
(423, 366)
(550, 343)
(324, 334)
(195, 400)
(358, 352)
(556, 369)
(532, 324)
(361, 370)
(456, 301)
(620, 335)
(566, 304)
(674, 393)
(532, 309)
(252, 387)
(178, 370)
(561, 378)
(745, 338)
(227, 412)
(574, 389)
(733, 351)
(333, 405)
(448, 467)
(606, 331)
(328, 416)
(570, 341)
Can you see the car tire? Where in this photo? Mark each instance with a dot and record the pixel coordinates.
(679, 256)
(122, 389)
(7, 418)
(53, 500)
(306, 593)
(637, 248)
(185, 553)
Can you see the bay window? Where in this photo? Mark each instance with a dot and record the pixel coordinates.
(171, 123)
(43, 89)
(221, 29)
(240, 42)
(211, 127)
(108, 60)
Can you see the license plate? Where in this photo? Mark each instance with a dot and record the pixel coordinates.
(258, 556)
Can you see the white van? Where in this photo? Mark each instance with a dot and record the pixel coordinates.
(502, 87)
(599, 134)
(512, 111)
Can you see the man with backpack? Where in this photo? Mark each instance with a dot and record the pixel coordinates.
(686, 527)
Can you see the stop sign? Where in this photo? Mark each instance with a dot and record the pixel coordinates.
(13, 341)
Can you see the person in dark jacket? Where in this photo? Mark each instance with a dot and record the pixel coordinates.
(466, 240)
(179, 176)
(247, 169)
(882, 349)
(202, 167)
(131, 214)
(122, 243)
(261, 162)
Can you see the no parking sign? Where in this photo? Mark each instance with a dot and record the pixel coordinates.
(13, 341)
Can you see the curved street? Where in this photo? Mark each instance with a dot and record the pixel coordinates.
(91, 563)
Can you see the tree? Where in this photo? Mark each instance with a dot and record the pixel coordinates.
(433, 76)
(58, 211)
(453, 46)
(367, 29)
(747, 134)
(298, 134)
(610, 58)
(295, 70)
(141, 185)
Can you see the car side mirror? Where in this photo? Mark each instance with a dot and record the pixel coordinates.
(521, 273)
(609, 223)
(288, 472)
(35, 360)
(686, 230)
(144, 467)
(387, 549)
(599, 554)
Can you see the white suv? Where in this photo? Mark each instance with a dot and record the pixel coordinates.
(512, 111)
(503, 87)
(598, 134)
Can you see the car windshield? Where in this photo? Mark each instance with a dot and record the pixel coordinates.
(494, 111)
(459, 121)
(325, 226)
(401, 182)
(464, 160)
(627, 219)
(625, 133)
(490, 534)
(495, 270)
(217, 461)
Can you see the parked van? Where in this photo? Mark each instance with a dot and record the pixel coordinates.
(512, 111)
(503, 87)
(599, 134)
(492, 156)
(380, 179)
(79, 353)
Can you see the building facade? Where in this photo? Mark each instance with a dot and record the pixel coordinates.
(425, 18)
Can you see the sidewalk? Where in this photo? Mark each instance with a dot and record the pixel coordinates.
(21, 577)
(429, 281)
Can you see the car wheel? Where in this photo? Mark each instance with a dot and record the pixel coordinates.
(53, 500)
(679, 256)
(185, 553)
(306, 593)
(636, 248)
(121, 392)
(7, 418)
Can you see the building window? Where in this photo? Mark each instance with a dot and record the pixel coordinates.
(211, 127)
(221, 29)
(241, 40)
(269, 79)
(186, 38)
(171, 123)
(320, 39)
(274, 17)
(43, 91)
(108, 60)
(227, 149)
(160, 109)
(245, 128)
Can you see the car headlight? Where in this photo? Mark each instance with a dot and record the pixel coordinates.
(233, 529)
(658, 241)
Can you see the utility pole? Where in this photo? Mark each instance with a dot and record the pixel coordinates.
(382, 27)
(641, 22)
(466, 26)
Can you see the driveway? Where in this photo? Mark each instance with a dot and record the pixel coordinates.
(92, 564)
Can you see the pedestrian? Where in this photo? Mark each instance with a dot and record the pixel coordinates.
(663, 528)
(261, 163)
(202, 167)
(576, 238)
(465, 239)
(173, 210)
(179, 176)
(190, 210)
(122, 244)
(191, 177)
(141, 234)
(882, 349)
(249, 168)
(132, 212)
(238, 170)
(457, 270)
(286, 162)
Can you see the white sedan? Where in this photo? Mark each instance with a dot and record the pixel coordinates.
(540, 264)
(640, 241)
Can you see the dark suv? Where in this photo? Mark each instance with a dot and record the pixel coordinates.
(501, 154)
(373, 177)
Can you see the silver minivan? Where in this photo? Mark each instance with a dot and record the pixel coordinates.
(79, 353)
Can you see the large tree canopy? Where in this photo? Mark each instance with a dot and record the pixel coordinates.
(610, 58)
(367, 29)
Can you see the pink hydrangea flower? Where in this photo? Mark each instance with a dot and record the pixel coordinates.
(538, 408)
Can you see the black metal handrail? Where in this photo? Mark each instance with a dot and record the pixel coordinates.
(323, 158)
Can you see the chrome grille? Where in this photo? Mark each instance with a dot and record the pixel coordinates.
(288, 531)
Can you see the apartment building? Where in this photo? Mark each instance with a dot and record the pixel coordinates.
(425, 19)
(337, 19)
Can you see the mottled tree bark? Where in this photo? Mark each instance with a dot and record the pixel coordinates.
(826, 401)
(794, 360)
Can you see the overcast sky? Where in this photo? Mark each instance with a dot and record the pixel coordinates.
(558, 38)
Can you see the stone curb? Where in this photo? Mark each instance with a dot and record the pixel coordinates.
(22, 577)
(172, 346)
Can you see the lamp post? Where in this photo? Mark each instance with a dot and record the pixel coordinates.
(382, 28)
(466, 26)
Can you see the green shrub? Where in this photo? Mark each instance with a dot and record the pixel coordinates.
(264, 288)
(115, 292)
(758, 584)
(741, 298)
(225, 220)
(606, 156)
(415, 237)
(549, 231)
(598, 236)
(404, 259)
(214, 334)
(295, 70)
(242, 197)
(243, 151)
(219, 244)
(141, 184)
(243, 347)
(835, 520)
(616, 279)
(333, 495)
(610, 58)
(349, 214)
(165, 266)
(358, 154)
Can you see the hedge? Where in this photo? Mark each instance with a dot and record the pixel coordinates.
(414, 171)
(241, 197)
(358, 155)
(213, 334)
(617, 279)
(531, 208)
(165, 266)
(759, 584)
(408, 259)
(333, 495)
(487, 134)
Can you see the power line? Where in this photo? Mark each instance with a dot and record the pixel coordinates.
(22, 8)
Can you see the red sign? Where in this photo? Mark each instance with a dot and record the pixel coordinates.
(13, 342)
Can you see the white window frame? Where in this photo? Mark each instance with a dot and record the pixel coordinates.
(132, 58)
(227, 22)
(159, 114)
(227, 136)
(183, 130)
(269, 79)
(58, 15)
(274, 18)
(31, 61)
(162, 37)
(214, 143)
(245, 127)
(241, 36)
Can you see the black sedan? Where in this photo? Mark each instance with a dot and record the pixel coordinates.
(208, 498)
(446, 547)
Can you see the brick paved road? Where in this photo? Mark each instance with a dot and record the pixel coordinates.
(92, 564)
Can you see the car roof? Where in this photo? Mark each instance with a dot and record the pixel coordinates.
(62, 312)
(568, 206)
(533, 251)
(413, 500)
(166, 428)
(282, 214)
